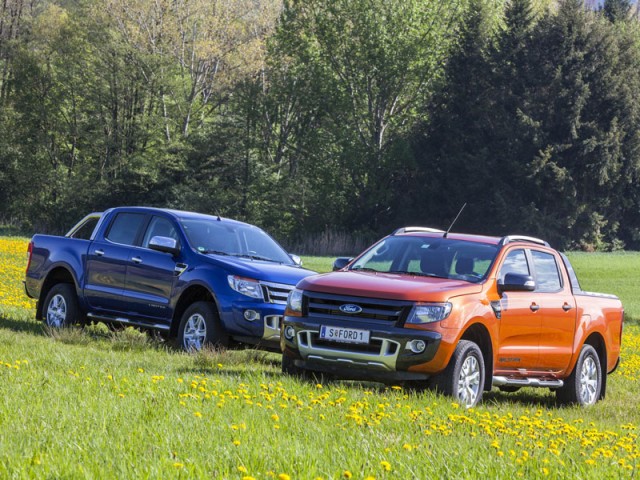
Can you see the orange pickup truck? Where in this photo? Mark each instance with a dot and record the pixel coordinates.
(457, 313)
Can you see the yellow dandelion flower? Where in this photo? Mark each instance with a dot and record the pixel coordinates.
(236, 443)
(247, 477)
(347, 474)
(178, 465)
(198, 414)
(283, 476)
(385, 465)
(242, 469)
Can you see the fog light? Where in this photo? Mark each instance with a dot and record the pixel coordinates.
(251, 315)
(289, 332)
(417, 346)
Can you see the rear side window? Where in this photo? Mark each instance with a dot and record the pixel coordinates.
(547, 275)
(125, 228)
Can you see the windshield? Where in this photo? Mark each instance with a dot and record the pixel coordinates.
(429, 257)
(240, 240)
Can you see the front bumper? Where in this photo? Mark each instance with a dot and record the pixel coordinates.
(263, 331)
(387, 356)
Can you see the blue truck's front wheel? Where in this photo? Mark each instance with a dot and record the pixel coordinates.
(200, 327)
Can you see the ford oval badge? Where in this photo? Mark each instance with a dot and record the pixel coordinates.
(350, 308)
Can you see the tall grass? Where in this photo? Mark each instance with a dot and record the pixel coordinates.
(95, 403)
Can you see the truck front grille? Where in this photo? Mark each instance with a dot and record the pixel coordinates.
(327, 306)
(276, 292)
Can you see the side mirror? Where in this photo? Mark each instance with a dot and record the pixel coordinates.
(296, 259)
(341, 262)
(515, 282)
(164, 244)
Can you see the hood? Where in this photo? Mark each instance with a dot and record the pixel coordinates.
(260, 270)
(389, 286)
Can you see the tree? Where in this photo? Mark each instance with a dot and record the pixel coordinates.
(373, 64)
(616, 10)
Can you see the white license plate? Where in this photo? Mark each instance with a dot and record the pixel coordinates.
(345, 335)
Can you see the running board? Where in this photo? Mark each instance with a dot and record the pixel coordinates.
(127, 321)
(526, 382)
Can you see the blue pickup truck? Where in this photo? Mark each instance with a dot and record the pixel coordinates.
(196, 279)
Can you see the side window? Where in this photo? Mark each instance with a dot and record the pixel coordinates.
(516, 262)
(125, 228)
(86, 229)
(547, 276)
(159, 227)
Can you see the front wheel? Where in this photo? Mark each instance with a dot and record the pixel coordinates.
(200, 326)
(61, 306)
(584, 385)
(463, 379)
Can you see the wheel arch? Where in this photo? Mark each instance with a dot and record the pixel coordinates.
(193, 293)
(58, 274)
(479, 334)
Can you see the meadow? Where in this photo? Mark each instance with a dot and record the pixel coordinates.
(99, 404)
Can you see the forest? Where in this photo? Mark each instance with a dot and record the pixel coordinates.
(327, 118)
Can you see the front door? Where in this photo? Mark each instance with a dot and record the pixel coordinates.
(521, 319)
(151, 275)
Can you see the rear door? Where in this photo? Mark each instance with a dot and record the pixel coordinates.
(558, 309)
(107, 261)
(151, 275)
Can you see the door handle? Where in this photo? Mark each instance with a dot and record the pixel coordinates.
(136, 260)
(566, 307)
(99, 252)
(534, 307)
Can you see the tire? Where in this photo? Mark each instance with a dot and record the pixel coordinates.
(584, 385)
(61, 306)
(200, 327)
(463, 379)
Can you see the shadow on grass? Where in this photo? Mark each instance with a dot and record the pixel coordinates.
(22, 326)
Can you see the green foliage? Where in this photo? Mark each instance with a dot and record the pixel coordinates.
(321, 116)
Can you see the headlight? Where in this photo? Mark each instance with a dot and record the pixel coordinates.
(294, 303)
(246, 286)
(429, 312)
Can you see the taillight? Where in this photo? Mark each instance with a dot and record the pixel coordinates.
(29, 253)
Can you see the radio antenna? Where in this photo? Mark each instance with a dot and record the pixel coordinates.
(454, 221)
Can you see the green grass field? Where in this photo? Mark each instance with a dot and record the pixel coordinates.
(96, 404)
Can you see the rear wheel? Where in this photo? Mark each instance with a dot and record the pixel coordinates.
(199, 327)
(463, 379)
(61, 306)
(584, 385)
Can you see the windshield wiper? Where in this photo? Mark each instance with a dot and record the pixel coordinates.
(422, 274)
(364, 269)
(214, 252)
(417, 274)
(254, 257)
